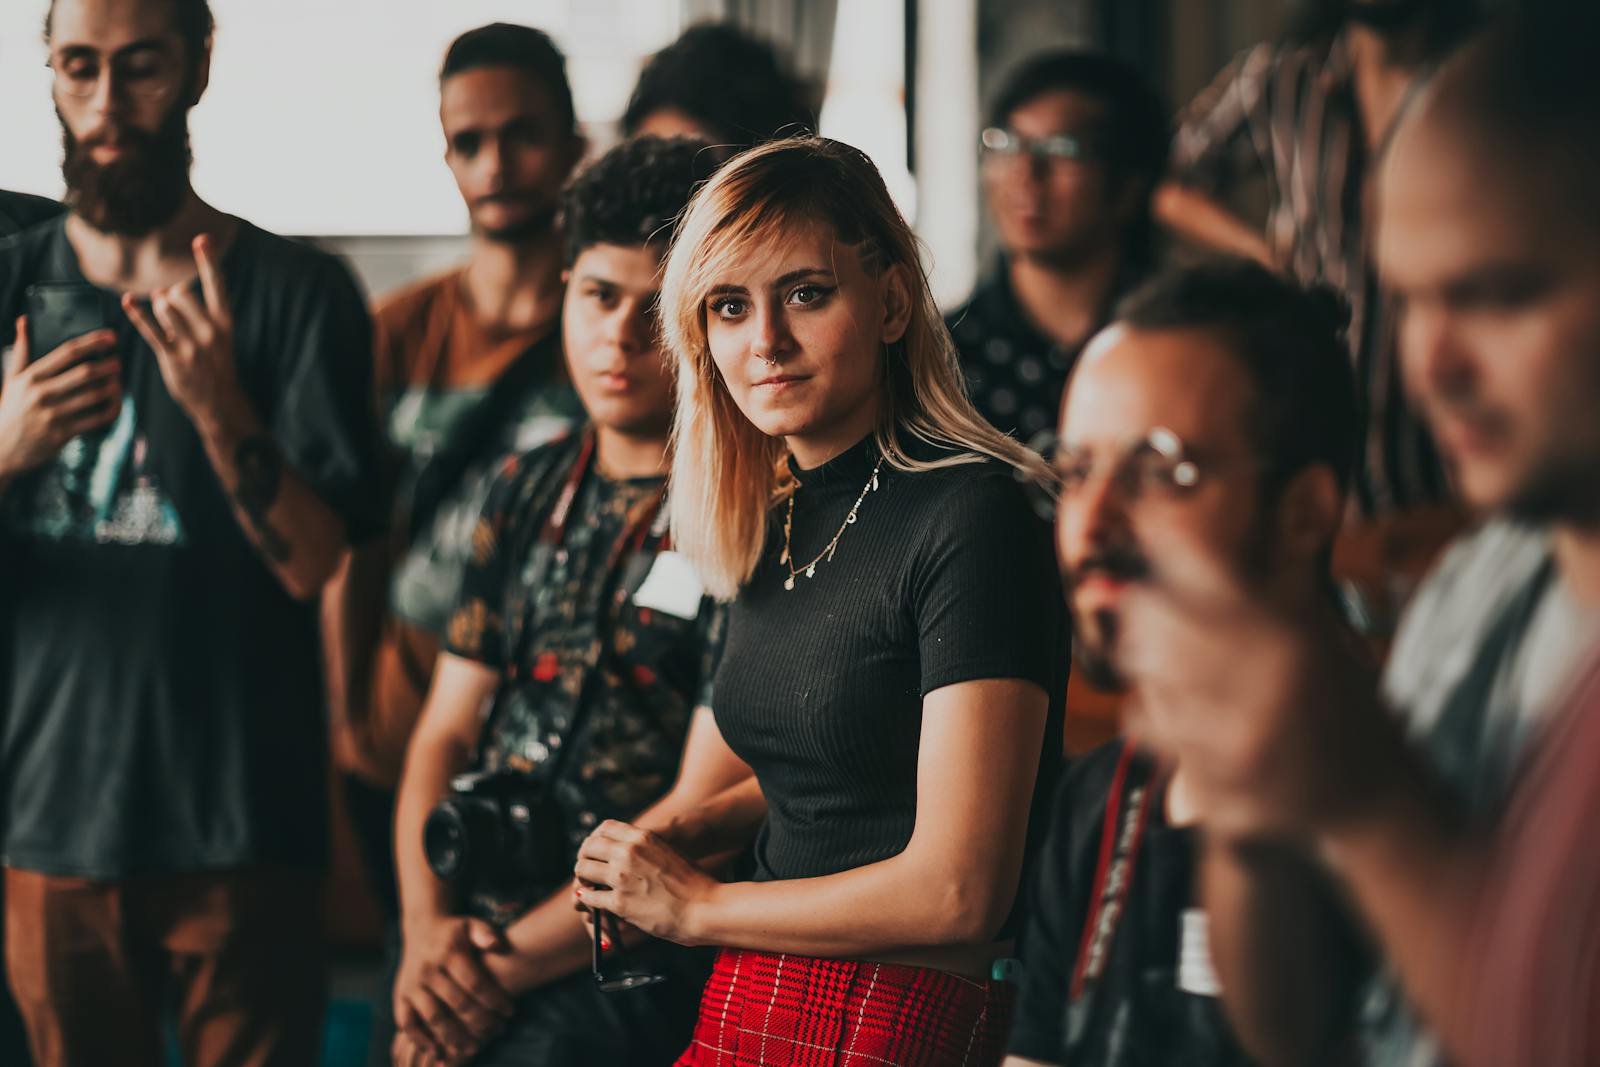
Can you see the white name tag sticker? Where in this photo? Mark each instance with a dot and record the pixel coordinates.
(1195, 974)
(671, 586)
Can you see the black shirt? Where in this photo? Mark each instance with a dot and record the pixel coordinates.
(1015, 374)
(946, 577)
(587, 670)
(1136, 1014)
(18, 211)
(163, 692)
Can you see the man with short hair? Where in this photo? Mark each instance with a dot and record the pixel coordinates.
(1221, 399)
(579, 653)
(175, 488)
(1074, 146)
(1487, 228)
(468, 370)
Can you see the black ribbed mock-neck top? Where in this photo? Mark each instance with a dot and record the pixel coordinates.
(947, 576)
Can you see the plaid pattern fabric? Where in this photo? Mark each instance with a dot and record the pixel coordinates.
(1289, 113)
(797, 1011)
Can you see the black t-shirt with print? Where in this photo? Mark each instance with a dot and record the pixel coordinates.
(584, 666)
(163, 692)
(1139, 1013)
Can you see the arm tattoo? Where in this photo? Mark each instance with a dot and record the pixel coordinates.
(260, 466)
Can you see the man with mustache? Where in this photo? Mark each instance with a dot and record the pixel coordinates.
(1487, 229)
(468, 369)
(1221, 400)
(175, 488)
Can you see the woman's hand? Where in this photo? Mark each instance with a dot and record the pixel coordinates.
(635, 875)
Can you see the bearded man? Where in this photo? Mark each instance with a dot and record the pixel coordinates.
(186, 449)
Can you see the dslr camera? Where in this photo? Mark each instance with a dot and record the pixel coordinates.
(497, 834)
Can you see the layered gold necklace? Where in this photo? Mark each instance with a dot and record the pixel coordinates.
(826, 555)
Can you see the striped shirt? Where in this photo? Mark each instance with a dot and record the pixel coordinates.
(1289, 112)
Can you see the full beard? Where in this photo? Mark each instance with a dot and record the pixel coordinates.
(133, 195)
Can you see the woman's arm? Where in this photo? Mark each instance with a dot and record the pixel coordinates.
(715, 805)
(953, 884)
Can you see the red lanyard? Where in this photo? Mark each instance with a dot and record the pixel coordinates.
(649, 518)
(1120, 838)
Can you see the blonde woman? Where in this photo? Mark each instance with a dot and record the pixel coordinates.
(896, 650)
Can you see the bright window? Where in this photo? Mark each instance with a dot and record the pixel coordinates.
(322, 116)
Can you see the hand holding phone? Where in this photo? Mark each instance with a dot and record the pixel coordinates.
(73, 389)
(61, 311)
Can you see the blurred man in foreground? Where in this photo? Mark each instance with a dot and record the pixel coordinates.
(1487, 231)
(1221, 401)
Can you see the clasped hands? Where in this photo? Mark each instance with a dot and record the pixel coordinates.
(452, 992)
(448, 1000)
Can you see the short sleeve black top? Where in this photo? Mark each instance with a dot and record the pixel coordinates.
(588, 672)
(946, 577)
(162, 693)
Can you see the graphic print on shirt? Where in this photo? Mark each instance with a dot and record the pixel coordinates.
(420, 420)
(101, 490)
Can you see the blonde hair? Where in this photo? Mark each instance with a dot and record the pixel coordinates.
(726, 473)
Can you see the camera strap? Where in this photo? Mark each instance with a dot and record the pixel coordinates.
(646, 522)
(1133, 791)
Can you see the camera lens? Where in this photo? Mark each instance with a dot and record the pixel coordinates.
(447, 842)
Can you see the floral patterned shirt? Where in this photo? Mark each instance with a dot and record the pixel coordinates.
(553, 605)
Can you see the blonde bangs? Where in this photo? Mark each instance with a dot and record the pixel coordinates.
(726, 474)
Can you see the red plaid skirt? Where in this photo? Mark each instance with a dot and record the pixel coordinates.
(798, 1011)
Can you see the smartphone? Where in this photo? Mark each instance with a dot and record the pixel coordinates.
(60, 311)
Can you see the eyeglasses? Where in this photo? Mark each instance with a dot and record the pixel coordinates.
(146, 75)
(998, 143)
(616, 983)
(1157, 465)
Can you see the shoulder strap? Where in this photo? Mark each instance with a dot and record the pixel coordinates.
(646, 523)
(1122, 832)
(475, 431)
